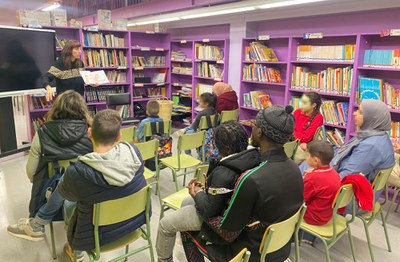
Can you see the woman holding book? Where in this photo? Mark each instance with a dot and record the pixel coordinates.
(308, 120)
(226, 97)
(65, 71)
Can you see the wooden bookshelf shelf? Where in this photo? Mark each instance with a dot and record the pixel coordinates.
(264, 83)
(320, 93)
(105, 47)
(144, 99)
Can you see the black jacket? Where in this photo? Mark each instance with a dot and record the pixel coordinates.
(59, 140)
(87, 186)
(270, 193)
(223, 175)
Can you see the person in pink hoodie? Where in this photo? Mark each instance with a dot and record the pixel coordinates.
(227, 98)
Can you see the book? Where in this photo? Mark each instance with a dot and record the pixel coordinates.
(116, 76)
(257, 99)
(37, 122)
(92, 110)
(94, 77)
(331, 80)
(382, 58)
(179, 56)
(257, 51)
(246, 100)
(104, 58)
(264, 101)
(40, 102)
(295, 102)
(370, 88)
(203, 88)
(261, 73)
(335, 112)
(335, 137)
(159, 77)
(98, 94)
(208, 52)
(103, 40)
(141, 61)
(180, 69)
(205, 69)
(326, 53)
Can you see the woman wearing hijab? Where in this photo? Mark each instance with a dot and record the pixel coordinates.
(226, 97)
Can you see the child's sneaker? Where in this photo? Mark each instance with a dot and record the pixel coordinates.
(70, 254)
(25, 230)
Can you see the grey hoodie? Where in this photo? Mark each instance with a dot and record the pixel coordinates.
(118, 166)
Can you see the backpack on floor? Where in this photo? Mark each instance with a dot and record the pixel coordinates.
(164, 139)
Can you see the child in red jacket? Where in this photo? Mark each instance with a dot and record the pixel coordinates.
(308, 120)
(320, 184)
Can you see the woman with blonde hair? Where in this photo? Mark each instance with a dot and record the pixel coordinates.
(62, 137)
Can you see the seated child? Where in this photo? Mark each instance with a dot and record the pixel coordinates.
(207, 102)
(152, 110)
(320, 184)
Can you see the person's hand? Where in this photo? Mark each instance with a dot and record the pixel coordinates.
(303, 146)
(396, 147)
(49, 93)
(95, 85)
(194, 188)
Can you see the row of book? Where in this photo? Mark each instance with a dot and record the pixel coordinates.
(141, 61)
(37, 122)
(185, 89)
(205, 69)
(203, 88)
(115, 76)
(98, 94)
(149, 92)
(395, 131)
(126, 111)
(326, 53)
(104, 58)
(209, 52)
(180, 69)
(257, 51)
(103, 40)
(378, 89)
(159, 77)
(179, 56)
(261, 73)
(40, 102)
(382, 58)
(257, 99)
(335, 136)
(331, 80)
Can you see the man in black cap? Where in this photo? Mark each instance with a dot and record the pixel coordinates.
(267, 194)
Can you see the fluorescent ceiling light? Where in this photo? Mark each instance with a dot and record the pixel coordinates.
(51, 7)
(288, 3)
(220, 12)
(162, 20)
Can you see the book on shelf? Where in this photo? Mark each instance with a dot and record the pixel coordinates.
(104, 58)
(159, 77)
(326, 53)
(335, 113)
(179, 56)
(261, 73)
(247, 122)
(125, 111)
(181, 109)
(116, 76)
(335, 137)
(378, 89)
(94, 77)
(203, 88)
(295, 102)
(257, 51)
(37, 122)
(98, 94)
(257, 99)
(180, 69)
(331, 80)
(40, 102)
(149, 92)
(205, 69)
(60, 42)
(395, 131)
(209, 52)
(141, 61)
(103, 40)
(92, 110)
(382, 58)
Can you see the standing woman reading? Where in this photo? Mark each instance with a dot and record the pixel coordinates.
(66, 71)
(308, 120)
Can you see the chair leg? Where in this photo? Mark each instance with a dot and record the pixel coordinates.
(397, 207)
(297, 246)
(368, 241)
(53, 242)
(386, 232)
(176, 180)
(151, 248)
(328, 257)
(184, 177)
(353, 252)
(126, 252)
(392, 202)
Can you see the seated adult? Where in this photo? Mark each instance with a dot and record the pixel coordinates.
(267, 194)
(114, 170)
(231, 140)
(226, 97)
(63, 136)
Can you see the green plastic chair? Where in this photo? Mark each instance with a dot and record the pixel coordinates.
(242, 256)
(174, 201)
(149, 150)
(128, 134)
(167, 128)
(229, 115)
(182, 160)
(207, 122)
(64, 164)
(337, 227)
(379, 183)
(278, 235)
(118, 210)
(393, 182)
(291, 148)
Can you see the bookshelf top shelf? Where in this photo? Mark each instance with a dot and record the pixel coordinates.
(139, 68)
(104, 47)
(320, 62)
(61, 28)
(272, 38)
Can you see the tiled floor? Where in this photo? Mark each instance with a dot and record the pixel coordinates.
(14, 197)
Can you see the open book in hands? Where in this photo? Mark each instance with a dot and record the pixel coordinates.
(94, 77)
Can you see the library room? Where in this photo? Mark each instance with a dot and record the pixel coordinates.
(200, 130)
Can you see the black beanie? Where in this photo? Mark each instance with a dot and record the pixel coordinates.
(276, 123)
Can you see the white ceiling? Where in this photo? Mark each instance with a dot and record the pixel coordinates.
(8, 9)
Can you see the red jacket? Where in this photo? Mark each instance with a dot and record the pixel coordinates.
(227, 101)
(306, 135)
(320, 188)
(362, 191)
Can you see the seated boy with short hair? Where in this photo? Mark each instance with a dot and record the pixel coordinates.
(320, 184)
(114, 170)
(152, 110)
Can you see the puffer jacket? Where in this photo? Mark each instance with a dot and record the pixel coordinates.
(59, 140)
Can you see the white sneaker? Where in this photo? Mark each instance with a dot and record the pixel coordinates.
(24, 230)
(70, 254)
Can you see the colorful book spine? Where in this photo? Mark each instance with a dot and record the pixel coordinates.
(261, 73)
(141, 61)
(257, 51)
(104, 58)
(326, 53)
(335, 113)
(40, 102)
(331, 80)
(103, 40)
(378, 89)
(205, 69)
(209, 52)
(382, 58)
(98, 94)
(116, 76)
(257, 99)
(395, 131)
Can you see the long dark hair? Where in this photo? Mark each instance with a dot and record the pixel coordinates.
(315, 98)
(66, 55)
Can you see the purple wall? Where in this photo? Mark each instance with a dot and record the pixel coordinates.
(201, 32)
